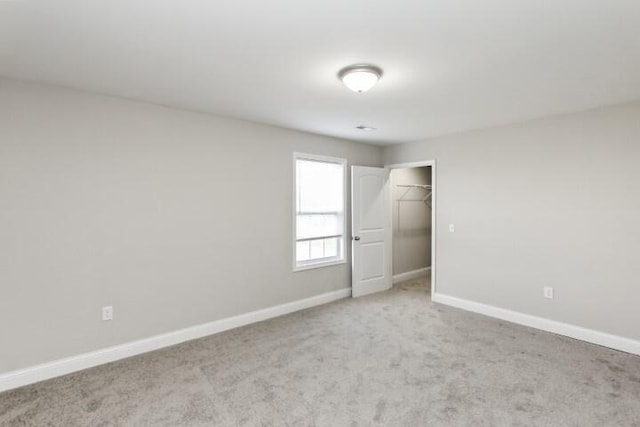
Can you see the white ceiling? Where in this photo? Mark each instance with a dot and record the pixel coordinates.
(450, 65)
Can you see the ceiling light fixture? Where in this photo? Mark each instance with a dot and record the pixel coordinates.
(365, 128)
(360, 78)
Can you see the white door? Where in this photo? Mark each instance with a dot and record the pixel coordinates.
(371, 230)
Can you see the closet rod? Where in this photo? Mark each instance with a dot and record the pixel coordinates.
(426, 187)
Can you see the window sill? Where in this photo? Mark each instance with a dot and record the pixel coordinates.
(318, 265)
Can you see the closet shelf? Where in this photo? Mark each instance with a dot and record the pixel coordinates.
(408, 187)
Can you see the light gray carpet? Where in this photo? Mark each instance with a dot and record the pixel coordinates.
(391, 359)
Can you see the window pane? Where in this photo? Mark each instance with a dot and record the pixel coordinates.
(302, 251)
(318, 226)
(320, 187)
(331, 247)
(317, 249)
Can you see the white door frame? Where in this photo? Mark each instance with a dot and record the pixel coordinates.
(434, 197)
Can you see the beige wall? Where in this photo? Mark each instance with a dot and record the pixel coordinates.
(553, 202)
(411, 220)
(174, 218)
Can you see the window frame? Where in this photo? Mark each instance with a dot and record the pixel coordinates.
(308, 265)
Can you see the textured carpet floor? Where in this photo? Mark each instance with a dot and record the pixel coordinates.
(391, 359)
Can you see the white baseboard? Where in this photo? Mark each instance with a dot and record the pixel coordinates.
(410, 275)
(68, 365)
(589, 335)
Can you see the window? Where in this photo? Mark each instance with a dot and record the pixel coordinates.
(319, 211)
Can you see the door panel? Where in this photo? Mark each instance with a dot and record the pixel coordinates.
(371, 211)
(372, 260)
(371, 229)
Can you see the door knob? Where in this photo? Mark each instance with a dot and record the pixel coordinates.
(356, 237)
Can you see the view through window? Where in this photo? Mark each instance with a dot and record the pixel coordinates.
(319, 228)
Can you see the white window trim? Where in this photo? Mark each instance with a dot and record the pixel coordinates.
(319, 264)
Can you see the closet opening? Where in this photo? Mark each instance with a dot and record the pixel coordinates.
(413, 220)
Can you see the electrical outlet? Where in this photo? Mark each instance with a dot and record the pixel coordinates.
(547, 292)
(107, 313)
(452, 228)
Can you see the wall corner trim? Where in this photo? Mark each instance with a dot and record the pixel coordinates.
(589, 335)
(414, 274)
(56, 368)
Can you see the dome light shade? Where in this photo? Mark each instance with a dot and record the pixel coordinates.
(360, 78)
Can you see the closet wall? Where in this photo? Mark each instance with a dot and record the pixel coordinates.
(411, 220)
